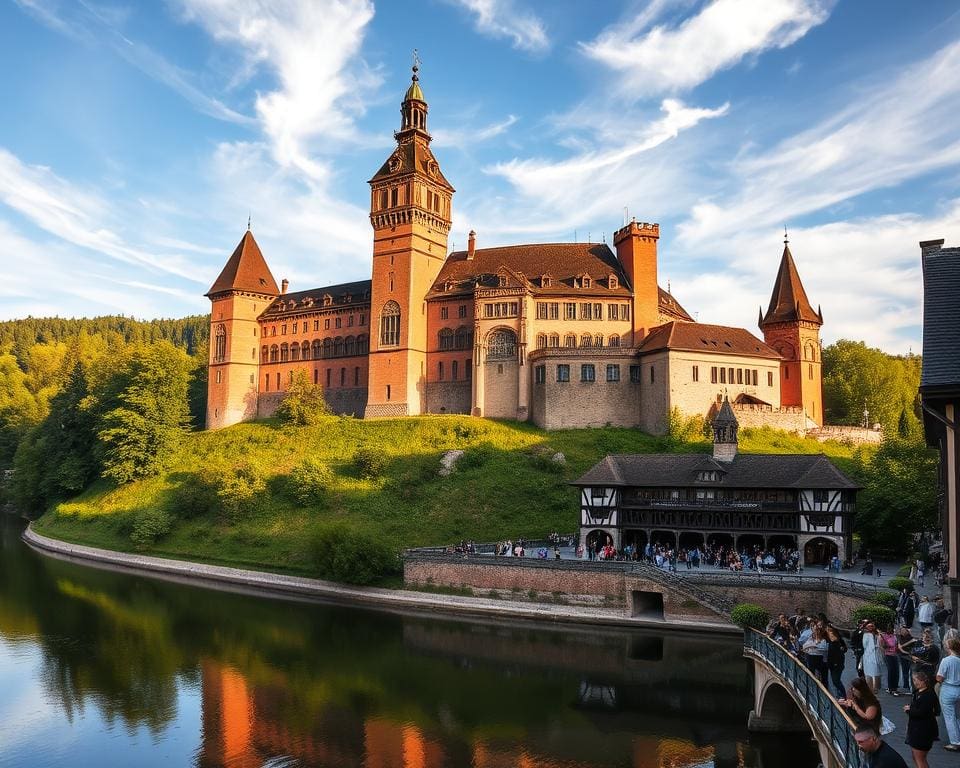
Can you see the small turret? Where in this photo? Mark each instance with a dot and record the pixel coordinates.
(725, 427)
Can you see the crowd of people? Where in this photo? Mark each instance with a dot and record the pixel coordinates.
(925, 667)
(665, 555)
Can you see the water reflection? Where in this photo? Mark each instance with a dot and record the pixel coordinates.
(126, 670)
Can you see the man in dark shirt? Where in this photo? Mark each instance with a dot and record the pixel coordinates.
(877, 752)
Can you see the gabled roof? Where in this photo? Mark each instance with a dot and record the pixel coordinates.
(788, 302)
(409, 157)
(661, 470)
(246, 270)
(671, 307)
(941, 316)
(700, 337)
(344, 294)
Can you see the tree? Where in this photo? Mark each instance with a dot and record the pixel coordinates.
(899, 498)
(140, 434)
(303, 404)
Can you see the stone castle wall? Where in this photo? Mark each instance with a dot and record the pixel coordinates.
(855, 435)
(345, 401)
(789, 418)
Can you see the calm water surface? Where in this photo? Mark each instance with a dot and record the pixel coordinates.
(99, 668)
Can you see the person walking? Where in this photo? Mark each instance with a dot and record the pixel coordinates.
(836, 651)
(815, 651)
(888, 644)
(948, 675)
(856, 644)
(922, 712)
(873, 663)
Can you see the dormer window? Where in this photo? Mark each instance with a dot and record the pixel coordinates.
(708, 476)
(502, 281)
(327, 299)
(545, 281)
(448, 285)
(587, 282)
(613, 282)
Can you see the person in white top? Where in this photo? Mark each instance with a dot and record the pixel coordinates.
(925, 613)
(948, 675)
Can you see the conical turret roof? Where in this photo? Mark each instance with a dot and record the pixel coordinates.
(725, 415)
(246, 270)
(789, 302)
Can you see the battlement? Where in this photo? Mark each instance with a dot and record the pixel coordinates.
(641, 229)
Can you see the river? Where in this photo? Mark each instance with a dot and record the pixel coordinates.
(102, 668)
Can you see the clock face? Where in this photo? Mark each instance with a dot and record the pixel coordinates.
(432, 168)
(395, 163)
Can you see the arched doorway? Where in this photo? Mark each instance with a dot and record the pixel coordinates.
(819, 551)
(691, 540)
(595, 541)
(501, 383)
(637, 539)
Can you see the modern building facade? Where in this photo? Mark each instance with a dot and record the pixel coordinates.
(562, 334)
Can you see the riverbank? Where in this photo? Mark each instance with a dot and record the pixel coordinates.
(280, 585)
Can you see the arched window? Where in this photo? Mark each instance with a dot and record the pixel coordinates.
(569, 340)
(554, 340)
(350, 346)
(586, 340)
(464, 338)
(598, 340)
(295, 351)
(316, 349)
(338, 346)
(390, 324)
(284, 353)
(274, 351)
(501, 344)
(328, 347)
(305, 349)
(220, 345)
(445, 339)
(362, 345)
(614, 341)
(264, 354)
(541, 341)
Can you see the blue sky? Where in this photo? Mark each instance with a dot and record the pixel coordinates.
(138, 137)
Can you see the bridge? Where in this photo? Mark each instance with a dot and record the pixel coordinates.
(787, 698)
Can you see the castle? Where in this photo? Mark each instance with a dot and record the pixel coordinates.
(561, 334)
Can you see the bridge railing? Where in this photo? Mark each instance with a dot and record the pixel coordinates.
(835, 725)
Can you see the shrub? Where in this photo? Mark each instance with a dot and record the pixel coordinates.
(878, 614)
(237, 488)
(369, 462)
(898, 583)
(475, 457)
(885, 598)
(195, 496)
(353, 557)
(310, 480)
(304, 403)
(149, 525)
(750, 615)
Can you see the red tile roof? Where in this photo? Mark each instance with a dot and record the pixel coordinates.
(788, 302)
(246, 270)
(700, 337)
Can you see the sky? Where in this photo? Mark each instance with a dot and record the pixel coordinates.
(139, 137)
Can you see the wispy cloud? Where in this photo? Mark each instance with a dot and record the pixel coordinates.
(462, 138)
(502, 19)
(674, 58)
(901, 128)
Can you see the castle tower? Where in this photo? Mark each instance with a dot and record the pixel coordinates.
(410, 203)
(242, 291)
(792, 327)
(725, 426)
(636, 246)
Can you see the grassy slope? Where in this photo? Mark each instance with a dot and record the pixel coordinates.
(512, 489)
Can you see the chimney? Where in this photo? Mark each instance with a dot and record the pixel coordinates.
(283, 286)
(471, 244)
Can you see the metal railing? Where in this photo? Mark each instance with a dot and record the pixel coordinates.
(785, 581)
(821, 709)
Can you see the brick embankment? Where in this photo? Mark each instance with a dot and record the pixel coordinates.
(281, 585)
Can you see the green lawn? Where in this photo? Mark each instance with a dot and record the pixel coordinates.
(506, 486)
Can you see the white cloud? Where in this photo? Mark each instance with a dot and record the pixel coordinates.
(501, 19)
(900, 129)
(665, 59)
(312, 48)
(462, 138)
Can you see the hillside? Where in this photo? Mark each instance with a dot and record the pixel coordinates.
(504, 486)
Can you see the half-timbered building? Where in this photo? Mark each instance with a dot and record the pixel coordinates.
(727, 498)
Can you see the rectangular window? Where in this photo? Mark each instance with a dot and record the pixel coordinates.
(730, 375)
(316, 325)
(624, 311)
(613, 311)
(810, 371)
(440, 370)
(635, 374)
(278, 381)
(349, 322)
(588, 372)
(316, 377)
(501, 309)
(769, 378)
(363, 319)
(598, 311)
(739, 375)
(388, 391)
(754, 377)
(356, 376)
(338, 322)
(540, 374)
(541, 310)
(453, 370)
(563, 372)
(328, 378)
(443, 313)
(326, 324)
(554, 313)
(713, 374)
(462, 310)
(569, 310)
(585, 311)
(283, 329)
(266, 382)
(696, 373)
(468, 369)
(723, 375)
(652, 374)
(613, 372)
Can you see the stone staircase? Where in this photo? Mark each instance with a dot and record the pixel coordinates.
(675, 582)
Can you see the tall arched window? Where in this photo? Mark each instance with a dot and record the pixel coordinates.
(295, 351)
(363, 345)
(554, 340)
(598, 340)
(464, 338)
(305, 349)
(338, 346)
(220, 344)
(350, 346)
(586, 340)
(569, 340)
(541, 341)
(316, 349)
(614, 341)
(501, 344)
(445, 339)
(284, 353)
(328, 347)
(390, 324)
(274, 351)
(264, 354)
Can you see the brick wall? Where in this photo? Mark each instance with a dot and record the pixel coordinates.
(789, 419)
(449, 396)
(345, 401)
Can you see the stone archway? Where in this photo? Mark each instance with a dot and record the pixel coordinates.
(819, 551)
(501, 374)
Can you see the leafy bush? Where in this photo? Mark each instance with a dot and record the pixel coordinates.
(303, 403)
(149, 525)
(353, 557)
(369, 462)
(898, 583)
(750, 615)
(475, 457)
(310, 480)
(885, 598)
(878, 614)
(237, 489)
(195, 496)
